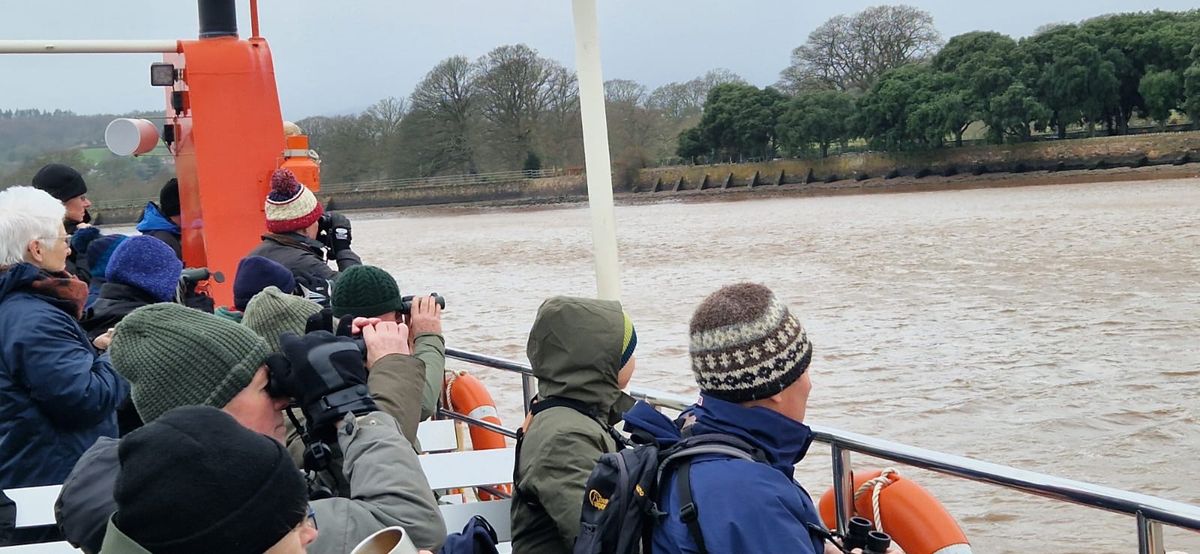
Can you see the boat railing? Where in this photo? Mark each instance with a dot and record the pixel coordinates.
(1150, 512)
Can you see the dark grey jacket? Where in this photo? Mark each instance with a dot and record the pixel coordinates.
(388, 488)
(306, 258)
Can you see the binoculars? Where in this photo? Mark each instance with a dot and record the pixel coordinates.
(406, 302)
(861, 534)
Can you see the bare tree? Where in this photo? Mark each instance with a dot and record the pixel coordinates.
(851, 52)
(513, 83)
(624, 91)
(560, 134)
(446, 100)
(385, 116)
(678, 101)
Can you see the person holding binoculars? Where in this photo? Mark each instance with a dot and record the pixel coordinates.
(302, 236)
(175, 356)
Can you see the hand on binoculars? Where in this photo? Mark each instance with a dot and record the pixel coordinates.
(383, 338)
(426, 316)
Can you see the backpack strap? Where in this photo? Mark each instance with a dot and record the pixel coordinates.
(682, 455)
(558, 401)
(687, 506)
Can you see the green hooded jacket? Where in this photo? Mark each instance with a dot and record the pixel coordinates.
(575, 350)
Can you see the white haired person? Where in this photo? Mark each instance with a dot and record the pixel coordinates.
(57, 394)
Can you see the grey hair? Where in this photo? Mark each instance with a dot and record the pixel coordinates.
(27, 214)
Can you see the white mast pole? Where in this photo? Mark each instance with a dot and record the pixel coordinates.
(595, 149)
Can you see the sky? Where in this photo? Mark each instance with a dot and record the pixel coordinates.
(340, 56)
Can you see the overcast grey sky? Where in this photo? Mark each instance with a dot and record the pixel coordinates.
(341, 56)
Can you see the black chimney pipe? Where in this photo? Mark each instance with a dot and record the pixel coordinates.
(218, 18)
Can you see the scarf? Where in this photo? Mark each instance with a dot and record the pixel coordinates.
(65, 287)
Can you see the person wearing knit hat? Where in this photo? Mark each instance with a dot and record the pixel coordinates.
(162, 220)
(67, 186)
(99, 252)
(294, 217)
(196, 481)
(750, 356)
(175, 356)
(273, 312)
(369, 291)
(256, 273)
(581, 351)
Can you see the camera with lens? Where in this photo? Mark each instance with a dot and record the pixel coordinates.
(324, 226)
(407, 301)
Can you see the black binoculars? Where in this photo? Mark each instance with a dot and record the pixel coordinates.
(861, 534)
(406, 302)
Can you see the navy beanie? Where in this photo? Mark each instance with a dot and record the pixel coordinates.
(255, 273)
(146, 263)
(100, 251)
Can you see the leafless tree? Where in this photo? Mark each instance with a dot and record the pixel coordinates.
(851, 52)
(513, 83)
(446, 101)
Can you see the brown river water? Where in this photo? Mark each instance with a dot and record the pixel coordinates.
(1049, 328)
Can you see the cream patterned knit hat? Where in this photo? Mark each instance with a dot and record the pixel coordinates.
(745, 344)
(290, 205)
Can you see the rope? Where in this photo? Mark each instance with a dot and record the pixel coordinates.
(446, 396)
(876, 486)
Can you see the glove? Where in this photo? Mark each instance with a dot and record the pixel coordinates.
(339, 231)
(327, 377)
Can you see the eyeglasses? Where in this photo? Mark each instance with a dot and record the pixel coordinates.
(66, 239)
(310, 518)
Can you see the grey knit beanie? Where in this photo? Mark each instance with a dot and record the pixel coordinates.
(273, 312)
(175, 356)
(745, 344)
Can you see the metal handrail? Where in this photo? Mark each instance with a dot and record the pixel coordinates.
(1150, 511)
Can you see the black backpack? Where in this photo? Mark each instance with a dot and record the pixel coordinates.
(620, 504)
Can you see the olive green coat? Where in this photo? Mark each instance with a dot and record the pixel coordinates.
(575, 350)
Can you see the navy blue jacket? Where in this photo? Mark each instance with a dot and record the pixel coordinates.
(744, 506)
(56, 395)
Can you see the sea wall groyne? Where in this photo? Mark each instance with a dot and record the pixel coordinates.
(1137, 157)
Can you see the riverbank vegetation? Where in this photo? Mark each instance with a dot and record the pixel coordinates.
(883, 79)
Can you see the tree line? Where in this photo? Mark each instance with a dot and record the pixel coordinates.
(882, 76)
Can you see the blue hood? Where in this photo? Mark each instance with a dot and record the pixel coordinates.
(784, 440)
(16, 278)
(153, 220)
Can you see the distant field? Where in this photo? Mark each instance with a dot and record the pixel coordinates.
(95, 155)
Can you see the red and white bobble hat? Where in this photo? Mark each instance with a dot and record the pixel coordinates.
(290, 205)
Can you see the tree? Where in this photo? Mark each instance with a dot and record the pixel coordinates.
(739, 120)
(1191, 80)
(852, 52)
(978, 67)
(819, 117)
(1071, 77)
(447, 99)
(1162, 92)
(513, 83)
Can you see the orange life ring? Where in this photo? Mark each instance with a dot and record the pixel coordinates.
(465, 394)
(914, 518)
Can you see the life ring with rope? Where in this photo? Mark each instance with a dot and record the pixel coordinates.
(914, 518)
(465, 394)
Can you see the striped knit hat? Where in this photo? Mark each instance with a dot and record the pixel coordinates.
(745, 344)
(290, 205)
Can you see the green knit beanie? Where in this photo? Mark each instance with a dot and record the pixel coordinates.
(175, 356)
(365, 291)
(273, 312)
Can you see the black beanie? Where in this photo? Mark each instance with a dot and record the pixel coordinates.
(60, 181)
(194, 481)
(168, 198)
